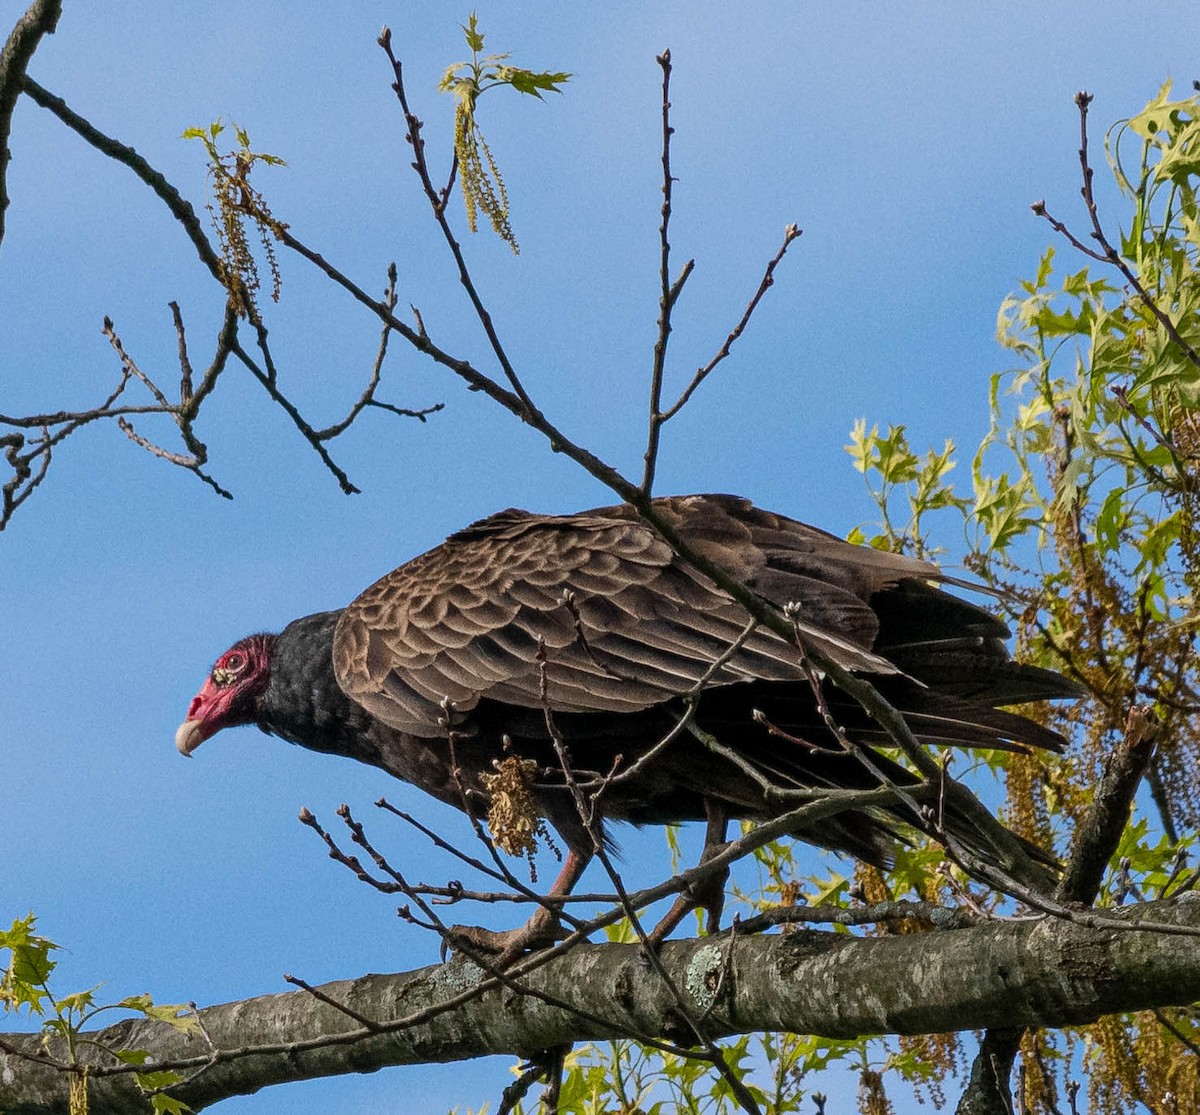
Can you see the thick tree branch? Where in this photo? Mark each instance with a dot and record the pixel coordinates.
(1030, 972)
(1095, 841)
(40, 19)
(1100, 832)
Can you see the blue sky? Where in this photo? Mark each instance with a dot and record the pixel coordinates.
(907, 140)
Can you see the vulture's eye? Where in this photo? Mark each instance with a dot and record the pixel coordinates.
(228, 668)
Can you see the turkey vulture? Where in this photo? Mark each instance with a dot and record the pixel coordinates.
(590, 622)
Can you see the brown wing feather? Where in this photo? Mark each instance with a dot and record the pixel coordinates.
(464, 621)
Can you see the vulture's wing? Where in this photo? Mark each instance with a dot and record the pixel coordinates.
(465, 620)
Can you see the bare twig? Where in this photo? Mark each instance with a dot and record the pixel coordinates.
(193, 461)
(22, 453)
(670, 291)
(320, 996)
(289, 408)
(790, 234)
(1107, 253)
(185, 363)
(438, 204)
(445, 845)
(180, 208)
(24, 480)
(367, 398)
(183, 460)
(501, 873)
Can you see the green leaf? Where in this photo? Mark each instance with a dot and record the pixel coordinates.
(181, 1016)
(1045, 269)
(80, 1001)
(152, 1081)
(168, 1105)
(531, 83)
(472, 33)
(832, 890)
(132, 1056)
(22, 983)
(1110, 521)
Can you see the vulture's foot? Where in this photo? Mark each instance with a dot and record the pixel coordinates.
(542, 930)
(501, 947)
(707, 895)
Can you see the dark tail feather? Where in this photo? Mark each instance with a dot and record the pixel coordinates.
(973, 669)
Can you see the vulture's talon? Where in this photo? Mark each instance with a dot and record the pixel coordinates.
(502, 947)
(707, 894)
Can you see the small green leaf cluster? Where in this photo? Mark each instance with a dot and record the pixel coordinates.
(627, 1077)
(236, 202)
(25, 986)
(898, 470)
(481, 182)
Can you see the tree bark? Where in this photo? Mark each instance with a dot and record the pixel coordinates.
(1043, 972)
(1095, 840)
(40, 19)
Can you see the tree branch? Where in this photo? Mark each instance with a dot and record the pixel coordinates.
(1034, 972)
(670, 292)
(1096, 839)
(768, 280)
(39, 20)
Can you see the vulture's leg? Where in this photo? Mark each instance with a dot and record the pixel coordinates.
(540, 931)
(708, 895)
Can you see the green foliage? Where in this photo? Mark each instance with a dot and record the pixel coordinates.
(1082, 509)
(25, 986)
(923, 480)
(481, 182)
(625, 1077)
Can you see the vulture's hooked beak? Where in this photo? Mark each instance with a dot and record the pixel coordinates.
(189, 736)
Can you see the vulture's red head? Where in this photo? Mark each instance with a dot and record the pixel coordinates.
(230, 695)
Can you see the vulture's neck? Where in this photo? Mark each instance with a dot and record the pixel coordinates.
(303, 702)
